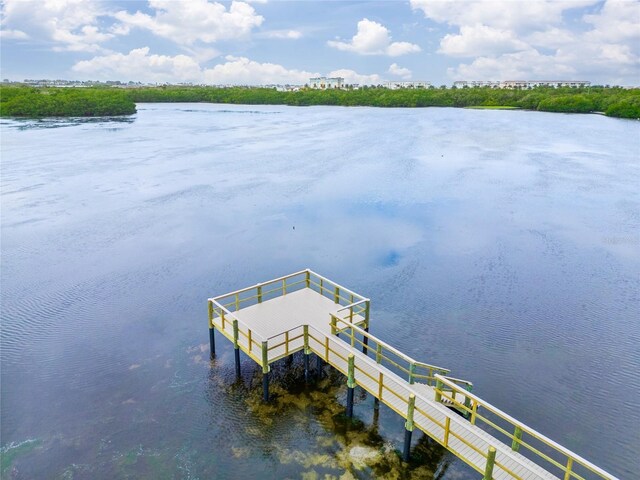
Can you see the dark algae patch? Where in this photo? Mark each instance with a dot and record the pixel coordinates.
(22, 101)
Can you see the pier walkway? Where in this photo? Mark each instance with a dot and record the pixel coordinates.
(307, 312)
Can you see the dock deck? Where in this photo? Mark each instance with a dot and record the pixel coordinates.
(308, 312)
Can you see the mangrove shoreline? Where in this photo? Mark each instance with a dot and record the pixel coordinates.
(30, 102)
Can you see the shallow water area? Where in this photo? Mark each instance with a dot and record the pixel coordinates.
(504, 245)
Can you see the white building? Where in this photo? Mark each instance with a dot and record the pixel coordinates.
(476, 83)
(544, 83)
(324, 83)
(398, 85)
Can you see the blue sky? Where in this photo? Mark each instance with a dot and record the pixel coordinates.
(262, 42)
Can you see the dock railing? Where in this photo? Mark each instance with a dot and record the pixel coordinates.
(524, 440)
(280, 286)
(383, 353)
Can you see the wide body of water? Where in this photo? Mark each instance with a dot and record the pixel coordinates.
(504, 245)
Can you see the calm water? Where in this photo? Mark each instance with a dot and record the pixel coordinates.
(502, 245)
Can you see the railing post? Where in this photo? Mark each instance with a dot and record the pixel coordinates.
(259, 293)
(488, 469)
(351, 384)
(236, 347)
(567, 473)
(326, 349)
(378, 353)
(333, 324)
(439, 386)
(353, 337)
(321, 287)
(474, 409)
(265, 372)
(305, 330)
(284, 286)
(412, 372)
(408, 426)
(366, 312)
(517, 436)
(447, 429)
(336, 295)
(212, 338)
(467, 402)
(308, 279)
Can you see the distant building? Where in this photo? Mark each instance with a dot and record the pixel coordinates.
(544, 83)
(324, 83)
(521, 83)
(399, 85)
(476, 83)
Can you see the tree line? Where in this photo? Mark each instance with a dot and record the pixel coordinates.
(105, 101)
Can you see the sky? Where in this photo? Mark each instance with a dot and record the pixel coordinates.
(287, 42)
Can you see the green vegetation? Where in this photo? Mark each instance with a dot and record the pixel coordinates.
(9, 453)
(102, 101)
(64, 102)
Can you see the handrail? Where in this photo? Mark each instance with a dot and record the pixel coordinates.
(471, 404)
(351, 305)
(393, 350)
(459, 380)
(335, 284)
(260, 337)
(571, 456)
(261, 284)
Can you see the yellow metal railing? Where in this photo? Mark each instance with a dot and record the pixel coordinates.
(345, 322)
(384, 353)
(568, 464)
(280, 286)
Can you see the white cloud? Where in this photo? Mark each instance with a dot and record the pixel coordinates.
(282, 34)
(351, 76)
(13, 34)
(395, 69)
(506, 38)
(528, 64)
(241, 70)
(617, 21)
(505, 14)
(140, 65)
(478, 40)
(373, 38)
(186, 22)
(71, 24)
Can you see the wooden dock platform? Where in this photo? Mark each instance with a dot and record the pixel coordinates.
(306, 311)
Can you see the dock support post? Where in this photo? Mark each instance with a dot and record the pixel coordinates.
(365, 340)
(488, 469)
(319, 366)
(237, 354)
(351, 385)
(408, 428)
(236, 347)
(265, 372)
(212, 343)
(212, 338)
(307, 352)
(376, 404)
